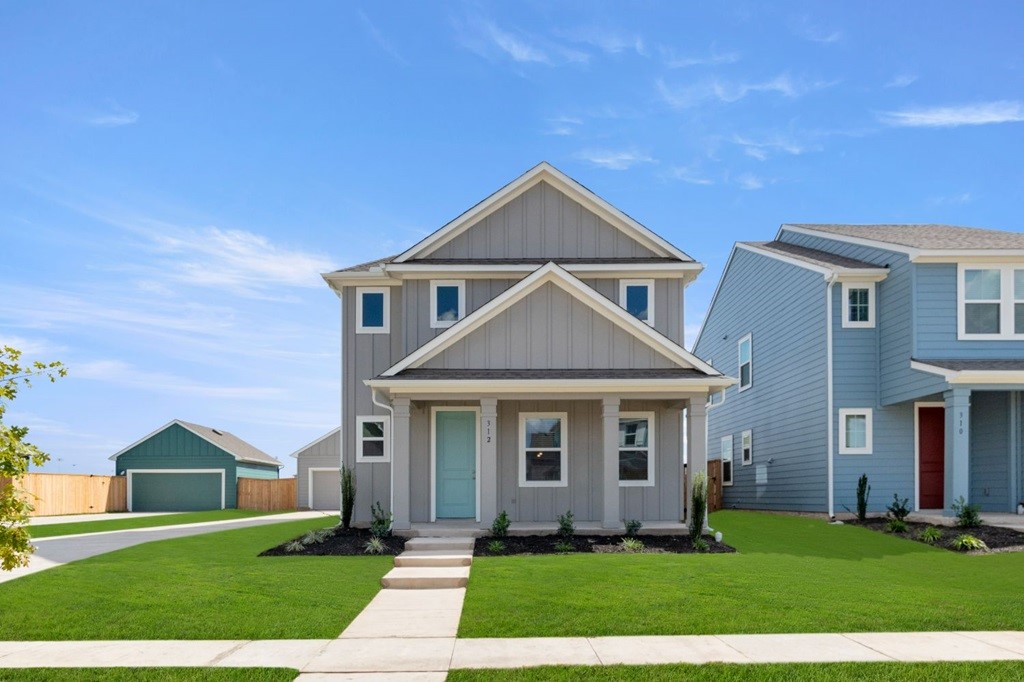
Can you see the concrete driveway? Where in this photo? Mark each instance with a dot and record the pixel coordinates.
(55, 551)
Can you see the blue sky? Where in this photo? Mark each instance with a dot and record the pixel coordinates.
(173, 176)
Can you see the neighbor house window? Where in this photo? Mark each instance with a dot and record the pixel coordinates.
(543, 449)
(447, 302)
(746, 447)
(636, 449)
(745, 351)
(373, 310)
(726, 460)
(858, 304)
(372, 439)
(855, 431)
(990, 302)
(637, 297)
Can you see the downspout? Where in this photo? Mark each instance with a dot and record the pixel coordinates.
(391, 442)
(828, 389)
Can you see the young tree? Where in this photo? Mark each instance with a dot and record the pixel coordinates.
(16, 455)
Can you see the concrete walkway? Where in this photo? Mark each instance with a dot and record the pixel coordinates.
(63, 549)
(429, 658)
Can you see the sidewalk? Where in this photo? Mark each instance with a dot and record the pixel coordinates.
(63, 549)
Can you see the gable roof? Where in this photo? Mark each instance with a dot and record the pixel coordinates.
(543, 172)
(804, 254)
(551, 273)
(315, 441)
(918, 239)
(228, 442)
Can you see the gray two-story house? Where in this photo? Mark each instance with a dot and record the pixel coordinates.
(525, 357)
(895, 351)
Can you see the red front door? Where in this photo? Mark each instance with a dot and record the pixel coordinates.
(931, 456)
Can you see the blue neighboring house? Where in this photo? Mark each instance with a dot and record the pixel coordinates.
(895, 351)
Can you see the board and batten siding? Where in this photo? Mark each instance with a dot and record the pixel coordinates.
(325, 453)
(783, 307)
(543, 222)
(178, 448)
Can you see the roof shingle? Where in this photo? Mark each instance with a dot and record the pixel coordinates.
(925, 236)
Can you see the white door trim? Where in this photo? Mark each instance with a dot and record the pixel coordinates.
(128, 473)
(433, 454)
(917, 449)
(309, 484)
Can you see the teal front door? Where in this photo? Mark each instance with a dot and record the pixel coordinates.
(455, 449)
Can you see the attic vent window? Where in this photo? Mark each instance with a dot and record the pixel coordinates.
(219, 433)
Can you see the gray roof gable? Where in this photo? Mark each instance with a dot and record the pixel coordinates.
(228, 442)
(813, 256)
(923, 236)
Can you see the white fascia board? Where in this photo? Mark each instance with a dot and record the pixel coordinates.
(376, 278)
(316, 441)
(528, 386)
(843, 273)
(542, 172)
(420, 270)
(813, 267)
(580, 291)
(971, 376)
(861, 275)
(946, 374)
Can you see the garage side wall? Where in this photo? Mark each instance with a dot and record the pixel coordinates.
(325, 453)
(178, 448)
(257, 471)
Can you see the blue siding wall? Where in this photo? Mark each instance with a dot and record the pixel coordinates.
(990, 451)
(783, 306)
(257, 471)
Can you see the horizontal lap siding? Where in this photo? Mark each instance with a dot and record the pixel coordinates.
(990, 451)
(783, 306)
(256, 471)
(325, 453)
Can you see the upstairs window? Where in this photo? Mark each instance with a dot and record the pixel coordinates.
(372, 439)
(447, 302)
(373, 310)
(858, 304)
(636, 449)
(990, 302)
(543, 460)
(637, 297)
(726, 446)
(746, 362)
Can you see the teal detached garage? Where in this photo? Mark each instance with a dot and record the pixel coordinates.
(188, 467)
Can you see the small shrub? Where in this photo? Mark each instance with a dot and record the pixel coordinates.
(380, 525)
(294, 546)
(931, 535)
(633, 527)
(566, 525)
(348, 496)
(899, 509)
(310, 537)
(496, 547)
(700, 545)
(499, 528)
(896, 526)
(375, 545)
(563, 547)
(967, 515)
(699, 496)
(632, 545)
(967, 543)
(863, 492)
(324, 534)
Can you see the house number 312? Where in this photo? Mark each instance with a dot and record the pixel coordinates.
(487, 430)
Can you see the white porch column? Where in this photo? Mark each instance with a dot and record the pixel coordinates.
(958, 447)
(697, 449)
(610, 508)
(400, 463)
(488, 460)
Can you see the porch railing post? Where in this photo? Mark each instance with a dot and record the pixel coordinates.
(958, 444)
(610, 508)
(400, 463)
(488, 460)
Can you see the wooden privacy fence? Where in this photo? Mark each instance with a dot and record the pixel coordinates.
(714, 485)
(262, 494)
(53, 494)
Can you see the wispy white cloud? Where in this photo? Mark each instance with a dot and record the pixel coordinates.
(958, 199)
(978, 113)
(563, 125)
(689, 174)
(901, 80)
(804, 28)
(34, 348)
(490, 41)
(614, 159)
(777, 144)
(734, 91)
(124, 374)
(113, 116)
(749, 181)
(379, 38)
(607, 40)
(673, 60)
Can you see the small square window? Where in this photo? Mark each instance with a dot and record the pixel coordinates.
(637, 297)
(447, 302)
(855, 431)
(636, 449)
(745, 351)
(373, 310)
(543, 450)
(372, 439)
(858, 304)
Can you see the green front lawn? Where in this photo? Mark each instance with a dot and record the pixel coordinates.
(211, 586)
(791, 574)
(76, 528)
(149, 675)
(719, 672)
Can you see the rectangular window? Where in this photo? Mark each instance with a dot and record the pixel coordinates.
(543, 449)
(727, 460)
(373, 310)
(746, 365)
(637, 297)
(636, 449)
(372, 439)
(746, 447)
(855, 431)
(447, 302)
(858, 304)
(990, 302)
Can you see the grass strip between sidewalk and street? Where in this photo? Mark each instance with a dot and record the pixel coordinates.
(129, 522)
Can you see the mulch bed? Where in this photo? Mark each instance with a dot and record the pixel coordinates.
(596, 544)
(997, 539)
(350, 542)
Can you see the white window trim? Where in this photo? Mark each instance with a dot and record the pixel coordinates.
(726, 447)
(847, 322)
(868, 430)
(748, 438)
(434, 284)
(649, 416)
(563, 473)
(1006, 302)
(386, 420)
(360, 329)
(649, 283)
(739, 364)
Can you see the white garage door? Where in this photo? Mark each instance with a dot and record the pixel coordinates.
(325, 489)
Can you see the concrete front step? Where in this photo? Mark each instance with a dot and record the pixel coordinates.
(443, 532)
(425, 578)
(447, 544)
(434, 557)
